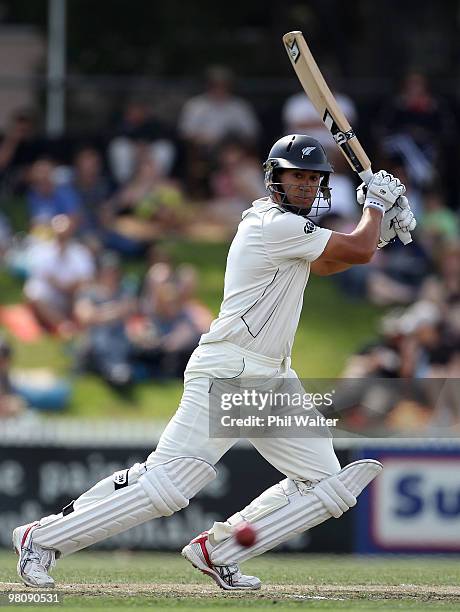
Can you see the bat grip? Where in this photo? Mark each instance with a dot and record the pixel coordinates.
(366, 176)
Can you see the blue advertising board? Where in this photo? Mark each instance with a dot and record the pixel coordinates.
(414, 504)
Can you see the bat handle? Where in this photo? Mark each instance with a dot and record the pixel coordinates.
(366, 176)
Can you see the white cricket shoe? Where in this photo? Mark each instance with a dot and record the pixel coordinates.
(228, 577)
(34, 561)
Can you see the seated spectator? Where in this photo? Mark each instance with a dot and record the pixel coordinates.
(46, 199)
(443, 287)
(147, 207)
(59, 268)
(101, 310)
(236, 182)
(164, 340)
(207, 120)
(10, 403)
(420, 342)
(199, 314)
(160, 272)
(139, 127)
(438, 225)
(93, 190)
(19, 147)
(417, 124)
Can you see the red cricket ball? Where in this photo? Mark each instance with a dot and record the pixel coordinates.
(245, 534)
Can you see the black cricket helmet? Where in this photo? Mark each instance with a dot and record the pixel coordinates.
(302, 152)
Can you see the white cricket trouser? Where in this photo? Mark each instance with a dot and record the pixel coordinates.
(179, 467)
(187, 433)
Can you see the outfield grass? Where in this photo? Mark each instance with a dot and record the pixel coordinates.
(165, 581)
(331, 328)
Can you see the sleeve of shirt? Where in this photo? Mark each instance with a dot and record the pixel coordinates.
(289, 236)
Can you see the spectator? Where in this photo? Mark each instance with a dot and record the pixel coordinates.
(46, 199)
(207, 120)
(19, 147)
(236, 181)
(417, 124)
(160, 272)
(140, 128)
(10, 403)
(167, 336)
(438, 225)
(101, 310)
(93, 190)
(59, 268)
(199, 314)
(147, 207)
(443, 287)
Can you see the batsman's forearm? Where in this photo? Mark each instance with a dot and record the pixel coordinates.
(359, 246)
(367, 232)
(326, 268)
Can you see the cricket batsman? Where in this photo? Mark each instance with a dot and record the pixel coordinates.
(275, 249)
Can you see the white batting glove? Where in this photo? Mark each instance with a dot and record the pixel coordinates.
(361, 194)
(387, 230)
(381, 192)
(398, 221)
(405, 220)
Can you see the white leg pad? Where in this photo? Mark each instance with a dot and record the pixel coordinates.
(296, 507)
(128, 498)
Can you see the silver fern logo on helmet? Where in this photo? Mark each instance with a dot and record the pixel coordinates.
(307, 150)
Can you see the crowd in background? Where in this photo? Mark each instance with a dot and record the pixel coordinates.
(89, 205)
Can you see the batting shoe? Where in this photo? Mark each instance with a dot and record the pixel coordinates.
(228, 577)
(34, 561)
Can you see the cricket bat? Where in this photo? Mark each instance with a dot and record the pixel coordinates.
(331, 114)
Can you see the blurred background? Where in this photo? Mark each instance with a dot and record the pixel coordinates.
(132, 138)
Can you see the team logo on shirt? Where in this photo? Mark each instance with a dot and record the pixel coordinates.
(307, 150)
(120, 479)
(309, 227)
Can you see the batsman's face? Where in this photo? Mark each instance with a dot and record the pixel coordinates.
(300, 186)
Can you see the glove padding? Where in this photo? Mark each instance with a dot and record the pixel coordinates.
(405, 220)
(397, 221)
(381, 192)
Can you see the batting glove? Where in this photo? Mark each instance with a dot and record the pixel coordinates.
(405, 220)
(398, 221)
(381, 192)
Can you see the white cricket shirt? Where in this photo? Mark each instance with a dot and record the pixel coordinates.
(268, 266)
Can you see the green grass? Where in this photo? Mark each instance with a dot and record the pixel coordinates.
(166, 581)
(331, 328)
